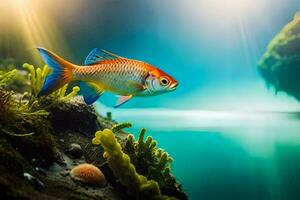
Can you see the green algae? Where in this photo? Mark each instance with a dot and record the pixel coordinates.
(153, 162)
(136, 184)
(279, 65)
(37, 77)
(24, 123)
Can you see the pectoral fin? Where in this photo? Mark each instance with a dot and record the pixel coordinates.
(122, 100)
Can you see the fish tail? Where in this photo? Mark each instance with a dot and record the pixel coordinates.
(62, 72)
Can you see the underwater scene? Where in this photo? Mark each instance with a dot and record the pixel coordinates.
(150, 99)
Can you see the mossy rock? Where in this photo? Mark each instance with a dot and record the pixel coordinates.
(38, 148)
(10, 159)
(75, 116)
(280, 64)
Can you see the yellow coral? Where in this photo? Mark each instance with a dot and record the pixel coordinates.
(37, 77)
(122, 168)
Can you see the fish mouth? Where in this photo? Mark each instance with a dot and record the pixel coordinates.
(173, 86)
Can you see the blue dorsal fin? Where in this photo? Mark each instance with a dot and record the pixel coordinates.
(89, 92)
(97, 55)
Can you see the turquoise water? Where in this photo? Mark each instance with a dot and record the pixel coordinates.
(226, 155)
(212, 166)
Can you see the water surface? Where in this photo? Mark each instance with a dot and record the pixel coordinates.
(227, 155)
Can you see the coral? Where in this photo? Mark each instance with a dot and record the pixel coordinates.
(37, 77)
(88, 174)
(152, 162)
(280, 64)
(136, 184)
(119, 127)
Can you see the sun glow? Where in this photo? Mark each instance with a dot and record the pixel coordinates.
(215, 16)
(28, 22)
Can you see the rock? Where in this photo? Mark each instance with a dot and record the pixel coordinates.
(64, 173)
(280, 64)
(76, 116)
(88, 174)
(59, 158)
(35, 182)
(40, 170)
(69, 122)
(74, 150)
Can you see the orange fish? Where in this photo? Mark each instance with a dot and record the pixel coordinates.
(105, 71)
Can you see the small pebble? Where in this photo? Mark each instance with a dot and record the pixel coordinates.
(74, 150)
(64, 173)
(40, 170)
(33, 180)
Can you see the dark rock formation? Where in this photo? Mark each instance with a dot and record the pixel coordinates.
(36, 166)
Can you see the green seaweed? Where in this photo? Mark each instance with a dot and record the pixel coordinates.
(6, 77)
(136, 184)
(119, 127)
(24, 124)
(17, 114)
(37, 77)
(152, 162)
(24, 119)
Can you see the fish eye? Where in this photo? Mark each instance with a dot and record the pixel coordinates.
(164, 81)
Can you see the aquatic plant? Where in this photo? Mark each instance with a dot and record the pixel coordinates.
(20, 118)
(152, 162)
(16, 113)
(280, 64)
(136, 184)
(37, 77)
(6, 77)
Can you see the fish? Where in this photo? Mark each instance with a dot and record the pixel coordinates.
(104, 71)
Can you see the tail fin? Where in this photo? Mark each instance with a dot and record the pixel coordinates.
(61, 72)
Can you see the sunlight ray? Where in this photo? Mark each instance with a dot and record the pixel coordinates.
(33, 24)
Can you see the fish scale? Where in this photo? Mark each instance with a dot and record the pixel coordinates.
(115, 73)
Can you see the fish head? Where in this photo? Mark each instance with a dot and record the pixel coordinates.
(158, 82)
